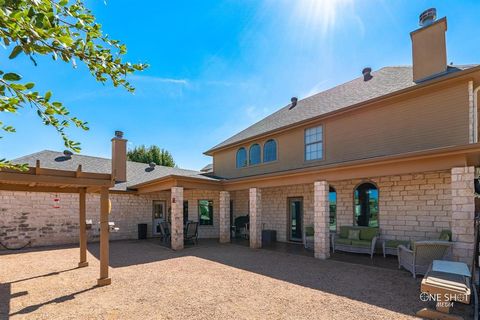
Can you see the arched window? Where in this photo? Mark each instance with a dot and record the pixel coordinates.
(241, 158)
(270, 151)
(255, 157)
(366, 205)
(332, 196)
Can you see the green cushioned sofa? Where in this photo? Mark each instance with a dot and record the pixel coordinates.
(347, 239)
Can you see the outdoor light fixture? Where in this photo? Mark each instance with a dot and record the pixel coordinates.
(56, 202)
(112, 228)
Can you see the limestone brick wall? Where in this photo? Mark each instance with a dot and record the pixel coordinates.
(240, 203)
(412, 206)
(463, 213)
(26, 216)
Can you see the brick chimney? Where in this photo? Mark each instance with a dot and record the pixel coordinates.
(119, 157)
(429, 50)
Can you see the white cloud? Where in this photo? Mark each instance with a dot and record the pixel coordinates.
(152, 79)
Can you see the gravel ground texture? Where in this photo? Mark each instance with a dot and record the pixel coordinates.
(208, 281)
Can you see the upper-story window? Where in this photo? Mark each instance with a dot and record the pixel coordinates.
(270, 151)
(314, 143)
(255, 156)
(241, 158)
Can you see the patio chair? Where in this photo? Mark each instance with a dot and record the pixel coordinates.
(245, 231)
(191, 232)
(418, 260)
(308, 237)
(165, 231)
(241, 226)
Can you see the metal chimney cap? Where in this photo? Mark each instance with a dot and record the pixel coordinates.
(367, 73)
(67, 153)
(119, 134)
(427, 17)
(294, 101)
(152, 164)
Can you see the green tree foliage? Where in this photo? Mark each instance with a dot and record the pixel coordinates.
(151, 154)
(66, 31)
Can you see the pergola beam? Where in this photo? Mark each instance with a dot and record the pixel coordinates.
(52, 179)
(36, 188)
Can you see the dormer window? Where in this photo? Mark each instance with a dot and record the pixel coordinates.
(241, 158)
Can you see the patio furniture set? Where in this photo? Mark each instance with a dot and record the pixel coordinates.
(190, 232)
(414, 256)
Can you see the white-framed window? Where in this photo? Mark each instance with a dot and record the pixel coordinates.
(314, 143)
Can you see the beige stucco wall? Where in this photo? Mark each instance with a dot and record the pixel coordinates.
(28, 216)
(413, 206)
(431, 119)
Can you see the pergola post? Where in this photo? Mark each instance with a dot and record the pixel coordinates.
(83, 228)
(104, 235)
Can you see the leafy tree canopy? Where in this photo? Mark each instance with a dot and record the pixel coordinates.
(151, 154)
(67, 31)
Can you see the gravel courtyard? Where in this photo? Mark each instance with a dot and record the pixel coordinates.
(209, 281)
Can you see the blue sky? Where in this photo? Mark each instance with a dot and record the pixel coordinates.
(219, 66)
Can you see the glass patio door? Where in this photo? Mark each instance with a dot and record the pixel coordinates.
(295, 219)
(158, 215)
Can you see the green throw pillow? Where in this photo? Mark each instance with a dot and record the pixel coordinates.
(354, 234)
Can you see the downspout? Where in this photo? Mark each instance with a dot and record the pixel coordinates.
(475, 114)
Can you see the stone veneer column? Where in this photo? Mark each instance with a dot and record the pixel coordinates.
(224, 216)
(177, 218)
(321, 218)
(255, 218)
(463, 213)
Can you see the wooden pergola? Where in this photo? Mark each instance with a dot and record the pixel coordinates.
(37, 179)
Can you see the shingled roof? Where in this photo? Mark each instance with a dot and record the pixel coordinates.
(136, 172)
(385, 81)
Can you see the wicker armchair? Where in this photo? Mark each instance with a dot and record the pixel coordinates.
(422, 255)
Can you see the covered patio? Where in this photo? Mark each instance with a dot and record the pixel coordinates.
(419, 195)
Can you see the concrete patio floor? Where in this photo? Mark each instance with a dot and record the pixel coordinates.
(208, 281)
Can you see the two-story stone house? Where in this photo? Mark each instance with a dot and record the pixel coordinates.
(395, 149)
